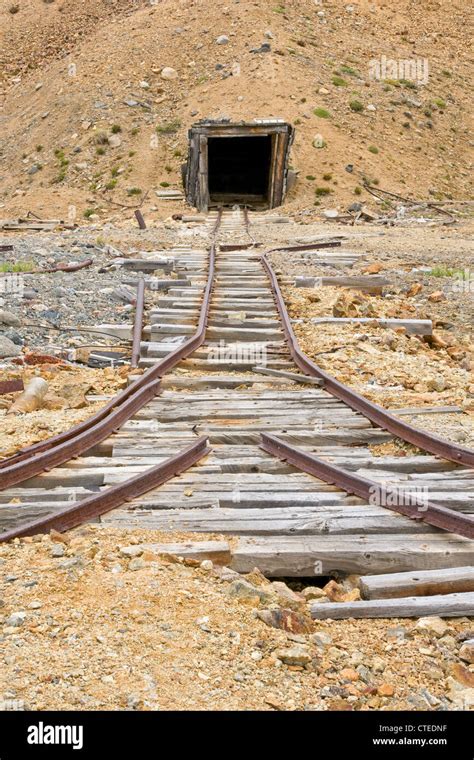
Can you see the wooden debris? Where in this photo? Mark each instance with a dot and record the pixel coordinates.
(419, 583)
(443, 605)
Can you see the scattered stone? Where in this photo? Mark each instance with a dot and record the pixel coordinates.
(115, 141)
(433, 624)
(336, 592)
(249, 594)
(321, 639)
(16, 619)
(57, 550)
(222, 40)
(8, 348)
(313, 592)
(297, 655)
(131, 551)
(286, 620)
(169, 73)
(9, 319)
(437, 296)
(286, 596)
(385, 690)
(437, 383)
(466, 652)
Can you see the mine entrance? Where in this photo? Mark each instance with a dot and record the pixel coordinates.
(239, 169)
(237, 162)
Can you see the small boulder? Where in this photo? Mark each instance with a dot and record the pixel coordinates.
(286, 620)
(432, 624)
(169, 73)
(297, 655)
(466, 652)
(8, 348)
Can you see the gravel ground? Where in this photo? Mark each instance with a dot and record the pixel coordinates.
(83, 626)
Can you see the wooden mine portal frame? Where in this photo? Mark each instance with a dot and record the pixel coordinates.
(242, 163)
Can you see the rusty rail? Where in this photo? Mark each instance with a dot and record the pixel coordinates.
(380, 495)
(10, 386)
(375, 413)
(308, 246)
(95, 505)
(74, 442)
(138, 323)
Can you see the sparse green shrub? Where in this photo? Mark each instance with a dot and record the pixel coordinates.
(356, 106)
(322, 113)
(357, 190)
(339, 81)
(169, 128)
(101, 139)
(327, 177)
(373, 149)
(349, 70)
(320, 191)
(18, 266)
(134, 191)
(164, 184)
(310, 177)
(88, 213)
(115, 129)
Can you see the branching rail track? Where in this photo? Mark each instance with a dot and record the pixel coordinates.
(229, 416)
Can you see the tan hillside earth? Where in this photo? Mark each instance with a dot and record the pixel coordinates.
(90, 121)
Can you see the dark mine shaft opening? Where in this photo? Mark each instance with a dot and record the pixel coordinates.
(239, 169)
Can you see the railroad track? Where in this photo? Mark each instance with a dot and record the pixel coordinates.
(202, 442)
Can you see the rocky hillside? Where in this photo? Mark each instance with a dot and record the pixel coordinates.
(98, 96)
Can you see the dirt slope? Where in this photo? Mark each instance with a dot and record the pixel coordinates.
(71, 72)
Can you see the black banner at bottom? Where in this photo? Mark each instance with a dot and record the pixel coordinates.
(93, 735)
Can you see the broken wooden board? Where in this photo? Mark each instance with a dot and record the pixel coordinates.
(421, 583)
(442, 605)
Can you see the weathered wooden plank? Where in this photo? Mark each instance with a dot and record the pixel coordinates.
(421, 583)
(288, 521)
(326, 555)
(217, 551)
(443, 605)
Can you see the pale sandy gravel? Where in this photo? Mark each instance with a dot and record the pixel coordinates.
(97, 639)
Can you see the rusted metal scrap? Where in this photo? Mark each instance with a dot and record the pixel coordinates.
(11, 386)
